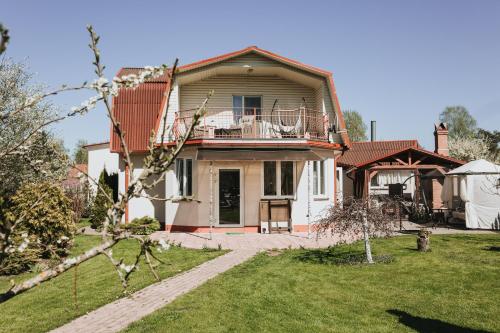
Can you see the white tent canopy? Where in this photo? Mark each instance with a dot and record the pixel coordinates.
(479, 189)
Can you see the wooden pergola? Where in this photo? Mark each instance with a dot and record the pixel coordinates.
(424, 164)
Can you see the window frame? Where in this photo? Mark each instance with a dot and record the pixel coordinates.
(185, 191)
(243, 104)
(320, 195)
(278, 181)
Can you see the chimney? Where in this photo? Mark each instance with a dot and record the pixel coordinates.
(441, 139)
(373, 130)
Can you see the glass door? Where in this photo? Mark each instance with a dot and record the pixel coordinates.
(229, 197)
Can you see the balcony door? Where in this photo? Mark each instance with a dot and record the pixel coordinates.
(246, 106)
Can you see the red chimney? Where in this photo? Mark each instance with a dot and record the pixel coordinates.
(441, 139)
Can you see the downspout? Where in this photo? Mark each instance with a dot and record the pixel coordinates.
(211, 209)
(308, 200)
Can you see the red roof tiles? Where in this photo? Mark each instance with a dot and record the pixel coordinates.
(363, 152)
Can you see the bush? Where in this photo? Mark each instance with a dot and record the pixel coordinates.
(79, 198)
(101, 204)
(46, 226)
(145, 225)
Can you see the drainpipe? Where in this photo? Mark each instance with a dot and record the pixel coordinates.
(211, 210)
(308, 199)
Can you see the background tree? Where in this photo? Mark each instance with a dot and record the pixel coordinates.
(470, 148)
(460, 122)
(80, 155)
(25, 144)
(356, 128)
(493, 140)
(101, 204)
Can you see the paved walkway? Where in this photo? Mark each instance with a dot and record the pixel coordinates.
(115, 316)
(253, 241)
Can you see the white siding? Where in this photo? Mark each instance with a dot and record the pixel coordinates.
(100, 158)
(173, 107)
(288, 93)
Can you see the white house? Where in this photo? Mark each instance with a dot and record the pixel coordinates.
(265, 151)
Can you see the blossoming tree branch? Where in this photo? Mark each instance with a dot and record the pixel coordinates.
(157, 161)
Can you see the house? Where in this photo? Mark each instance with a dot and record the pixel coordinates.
(75, 177)
(262, 158)
(370, 168)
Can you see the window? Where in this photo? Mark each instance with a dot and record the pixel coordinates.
(374, 181)
(246, 106)
(279, 178)
(184, 174)
(270, 178)
(319, 178)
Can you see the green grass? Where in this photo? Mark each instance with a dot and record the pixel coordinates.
(454, 288)
(84, 222)
(52, 304)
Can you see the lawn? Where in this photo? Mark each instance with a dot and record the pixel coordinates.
(454, 288)
(52, 304)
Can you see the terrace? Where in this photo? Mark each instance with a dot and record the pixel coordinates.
(254, 123)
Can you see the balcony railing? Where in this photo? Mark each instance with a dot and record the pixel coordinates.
(254, 123)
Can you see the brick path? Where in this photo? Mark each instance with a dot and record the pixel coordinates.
(115, 316)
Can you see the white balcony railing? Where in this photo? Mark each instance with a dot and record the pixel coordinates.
(224, 123)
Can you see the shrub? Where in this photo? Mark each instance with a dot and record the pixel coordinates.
(101, 203)
(79, 198)
(145, 225)
(46, 227)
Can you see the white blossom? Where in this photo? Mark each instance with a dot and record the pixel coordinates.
(127, 268)
(164, 246)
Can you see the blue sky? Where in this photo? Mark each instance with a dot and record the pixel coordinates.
(397, 62)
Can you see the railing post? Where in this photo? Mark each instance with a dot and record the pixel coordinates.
(304, 125)
(255, 122)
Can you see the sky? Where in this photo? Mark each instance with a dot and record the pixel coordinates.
(397, 62)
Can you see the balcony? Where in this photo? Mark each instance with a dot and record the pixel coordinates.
(228, 123)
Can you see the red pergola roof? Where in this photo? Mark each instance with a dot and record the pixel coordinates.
(361, 153)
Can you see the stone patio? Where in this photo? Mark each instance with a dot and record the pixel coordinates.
(255, 241)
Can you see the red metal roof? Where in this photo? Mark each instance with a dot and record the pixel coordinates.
(361, 153)
(138, 110)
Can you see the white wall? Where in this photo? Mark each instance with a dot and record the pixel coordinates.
(143, 206)
(100, 158)
(197, 213)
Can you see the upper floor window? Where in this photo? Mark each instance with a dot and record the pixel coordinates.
(319, 178)
(278, 178)
(184, 174)
(246, 106)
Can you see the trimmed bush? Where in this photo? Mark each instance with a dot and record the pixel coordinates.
(145, 225)
(101, 203)
(46, 227)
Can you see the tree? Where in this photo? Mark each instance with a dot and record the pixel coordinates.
(158, 160)
(470, 148)
(25, 144)
(101, 204)
(80, 155)
(358, 218)
(493, 138)
(356, 128)
(40, 221)
(460, 122)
